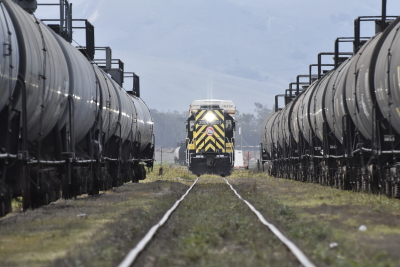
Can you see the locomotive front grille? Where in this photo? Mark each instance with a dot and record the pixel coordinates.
(209, 131)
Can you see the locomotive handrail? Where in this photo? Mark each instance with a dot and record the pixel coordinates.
(188, 158)
(232, 148)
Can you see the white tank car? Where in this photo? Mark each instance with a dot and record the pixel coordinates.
(176, 154)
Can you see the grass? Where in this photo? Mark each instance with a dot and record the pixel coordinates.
(315, 216)
(54, 235)
(210, 228)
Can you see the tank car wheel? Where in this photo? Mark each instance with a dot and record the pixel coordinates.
(396, 190)
(2, 202)
(388, 188)
(345, 181)
(8, 200)
(300, 175)
(321, 179)
(52, 195)
(135, 176)
(46, 199)
(2, 209)
(79, 190)
(365, 185)
(94, 186)
(142, 172)
(358, 186)
(335, 180)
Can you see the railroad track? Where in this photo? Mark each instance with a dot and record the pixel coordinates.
(134, 253)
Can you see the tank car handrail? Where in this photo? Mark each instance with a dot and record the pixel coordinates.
(391, 152)
(329, 54)
(7, 155)
(58, 161)
(311, 156)
(336, 157)
(85, 161)
(47, 162)
(379, 152)
(110, 159)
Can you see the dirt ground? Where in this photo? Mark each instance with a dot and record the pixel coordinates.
(211, 227)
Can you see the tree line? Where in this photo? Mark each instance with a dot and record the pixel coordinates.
(170, 126)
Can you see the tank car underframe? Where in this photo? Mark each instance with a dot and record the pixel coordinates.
(357, 164)
(51, 165)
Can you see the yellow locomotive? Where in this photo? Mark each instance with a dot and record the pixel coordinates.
(210, 141)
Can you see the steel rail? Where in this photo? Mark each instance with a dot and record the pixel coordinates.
(130, 258)
(292, 247)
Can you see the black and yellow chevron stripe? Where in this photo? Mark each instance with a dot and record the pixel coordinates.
(209, 133)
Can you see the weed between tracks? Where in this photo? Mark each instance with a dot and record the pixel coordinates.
(212, 227)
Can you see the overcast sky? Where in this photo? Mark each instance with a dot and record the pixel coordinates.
(243, 50)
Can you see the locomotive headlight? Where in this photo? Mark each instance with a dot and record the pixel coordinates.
(210, 117)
